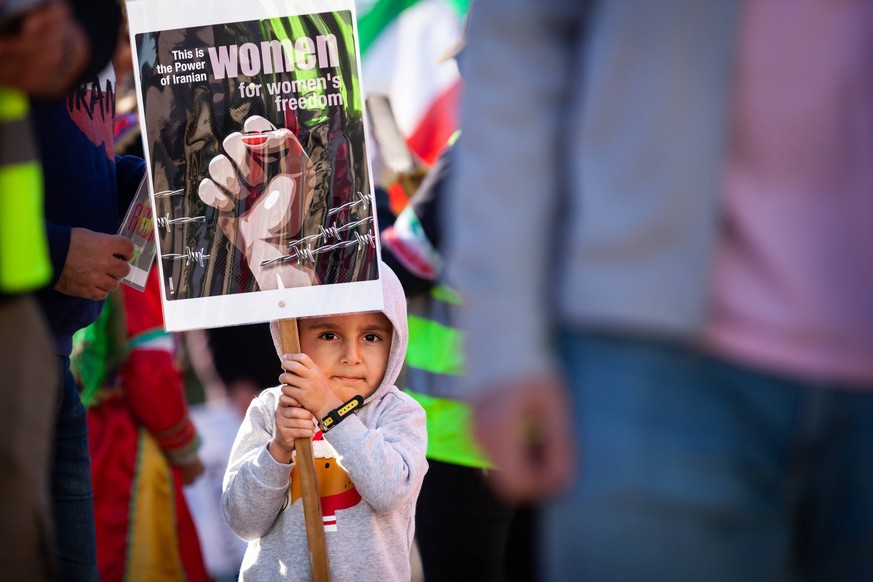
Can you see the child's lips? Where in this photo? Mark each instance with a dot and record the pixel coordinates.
(348, 379)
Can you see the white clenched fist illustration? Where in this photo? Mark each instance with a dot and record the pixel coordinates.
(262, 187)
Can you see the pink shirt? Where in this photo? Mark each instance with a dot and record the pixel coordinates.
(793, 280)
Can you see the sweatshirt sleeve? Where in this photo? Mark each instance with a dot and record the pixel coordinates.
(129, 171)
(386, 462)
(59, 245)
(504, 192)
(153, 389)
(255, 486)
(153, 385)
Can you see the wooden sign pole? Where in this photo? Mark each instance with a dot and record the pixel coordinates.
(306, 470)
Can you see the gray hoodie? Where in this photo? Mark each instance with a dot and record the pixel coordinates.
(369, 468)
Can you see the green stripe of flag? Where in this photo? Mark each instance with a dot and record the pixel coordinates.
(385, 12)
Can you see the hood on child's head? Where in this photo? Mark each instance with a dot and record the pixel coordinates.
(394, 307)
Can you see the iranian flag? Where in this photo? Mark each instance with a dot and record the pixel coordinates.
(402, 42)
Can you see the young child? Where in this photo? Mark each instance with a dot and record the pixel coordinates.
(370, 465)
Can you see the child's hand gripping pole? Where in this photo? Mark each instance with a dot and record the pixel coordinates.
(308, 484)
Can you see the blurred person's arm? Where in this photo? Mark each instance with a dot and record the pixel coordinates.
(153, 389)
(526, 432)
(153, 384)
(503, 233)
(87, 264)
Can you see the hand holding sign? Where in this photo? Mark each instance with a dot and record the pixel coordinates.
(262, 188)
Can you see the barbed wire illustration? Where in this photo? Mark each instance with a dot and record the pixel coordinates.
(169, 193)
(362, 199)
(327, 233)
(165, 221)
(306, 254)
(190, 256)
(298, 250)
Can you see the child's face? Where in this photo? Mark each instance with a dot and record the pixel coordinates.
(350, 350)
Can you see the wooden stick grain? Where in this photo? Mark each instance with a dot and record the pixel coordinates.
(306, 470)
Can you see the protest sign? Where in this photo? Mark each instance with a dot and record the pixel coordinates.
(254, 137)
(138, 226)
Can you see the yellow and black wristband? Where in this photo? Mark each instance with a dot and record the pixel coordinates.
(335, 416)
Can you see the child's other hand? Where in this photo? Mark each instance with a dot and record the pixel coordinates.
(305, 382)
(292, 422)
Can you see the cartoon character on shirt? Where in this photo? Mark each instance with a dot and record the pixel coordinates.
(335, 487)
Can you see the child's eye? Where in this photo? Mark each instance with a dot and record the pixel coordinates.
(372, 337)
(328, 335)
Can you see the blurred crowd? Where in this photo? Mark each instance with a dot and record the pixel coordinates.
(636, 257)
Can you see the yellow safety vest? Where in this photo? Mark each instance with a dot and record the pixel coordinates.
(434, 363)
(24, 257)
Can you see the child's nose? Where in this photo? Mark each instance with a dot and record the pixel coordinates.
(351, 353)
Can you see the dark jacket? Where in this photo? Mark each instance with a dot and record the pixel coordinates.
(85, 186)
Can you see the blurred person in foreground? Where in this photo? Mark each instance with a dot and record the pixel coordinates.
(462, 530)
(661, 226)
(87, 190)
(45, 48)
